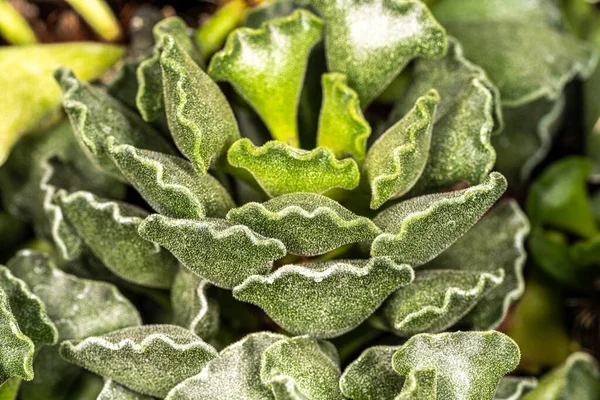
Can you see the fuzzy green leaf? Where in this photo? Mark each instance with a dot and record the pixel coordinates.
(496, 242)
(78, 307)
(170, 184)
(420, 384)
(267, 65)
(95, 116)
(240, 361)
(324, 299)
(192, 308)
(307, 224)
(199, 117)
(419, 229)
(474, 375)
(313, 372)
(214, 249)
(342, 126)
(113, 391)
(397, 159)
(279, 168)
(149, 359)
(468, 112)
(513, 388)
(363, 40)
(110, 228)
(436, 300)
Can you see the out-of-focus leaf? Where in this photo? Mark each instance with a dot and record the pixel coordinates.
(214, 249)
(267, 66)
(114, 391)
(591, 100)
(14, 28)
(10, 389)
(307, 224)
(324, 299)
(513, 388)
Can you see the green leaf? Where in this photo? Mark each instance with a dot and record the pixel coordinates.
(279, 168)
(110, 228)
(214, 249)
(28, 309)
(513, 388)
(10, 389)
(311, 370)
(342, 125)
(149, 98)
(170, 184)
(192, 308)
(30, 94)
(267, 65)
(149, 359)
(577, 378)
(467, 115)
(199, 117)
(307, 224)
(497, 242)
(371, 61)
(78, 307)
(371, 376)
(420, 383)
(397, 159)
(114, 391)
(95, 116)
(484, 358)
(436, 300)
(241, 360)
(419, 229)
(324, 299)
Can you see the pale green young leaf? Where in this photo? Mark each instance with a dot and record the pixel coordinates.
(467, 115)
(170, 184)
(324, 299)
(95, 116)
(199, 117)
(10, 389)
(115, 391)
(419, 229)
(78, 307)
(222, 253)
(363, 40)
(514, 388)
(192, 308)
(308, 224)
(279, 168)
(342, 126)
(313, 372)
(110, 229)
(496, 242)
(267, 66)
(149, 359)
(149, 99)
(436, 300)
(397, 159)
(240, 361)
(485, 357)
(577, 378)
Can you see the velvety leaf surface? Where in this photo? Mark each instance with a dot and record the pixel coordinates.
(514, 388)
(307, 224)
(234, 374)
(496, 242)
(192, 308)
(342, 125)
(95, 116)
(484, 358)
(314, 373)
(30, 92)
(279, 168)
(170, 184)
(419, 229)
(267, 65)
(419, 384)
(199, 117)
(324, 299)
(220, 252)
(466, 116)
(397, 159)
(149, 359)
(78, 307)
(363, 40)
(114, 391)
(110, 228)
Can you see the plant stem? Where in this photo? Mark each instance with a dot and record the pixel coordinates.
(99, 16)
(212, 34)
(13, 27)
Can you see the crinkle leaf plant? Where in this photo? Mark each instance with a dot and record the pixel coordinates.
(248, 227)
